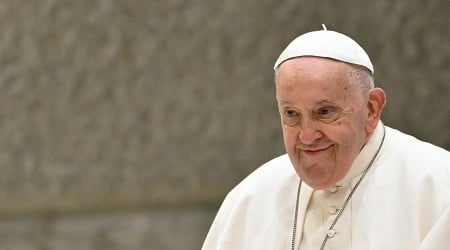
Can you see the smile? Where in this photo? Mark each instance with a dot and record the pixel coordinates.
(316, 151)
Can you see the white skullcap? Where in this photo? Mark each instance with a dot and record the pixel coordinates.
(329, 44)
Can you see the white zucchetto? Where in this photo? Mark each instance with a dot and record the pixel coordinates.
(329, 44)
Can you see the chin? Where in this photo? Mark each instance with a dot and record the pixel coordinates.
(316, 184)
(316, 179)
(319, 186)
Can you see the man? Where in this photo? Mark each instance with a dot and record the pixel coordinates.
(347, 181)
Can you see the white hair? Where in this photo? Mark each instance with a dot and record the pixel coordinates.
(360, 77)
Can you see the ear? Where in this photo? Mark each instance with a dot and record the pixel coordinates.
(375, 105)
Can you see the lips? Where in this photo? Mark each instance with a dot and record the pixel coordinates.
(315, 150)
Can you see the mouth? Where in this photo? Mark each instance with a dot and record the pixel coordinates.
(316, 151)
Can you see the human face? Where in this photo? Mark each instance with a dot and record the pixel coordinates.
(323, 117)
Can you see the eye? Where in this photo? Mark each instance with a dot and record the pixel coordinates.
(290, 113)
(327, 114)
(290, 117)
(324, 111)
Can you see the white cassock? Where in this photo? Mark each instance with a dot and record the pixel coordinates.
(403, 202)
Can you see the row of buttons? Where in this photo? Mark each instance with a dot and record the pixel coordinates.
(332, 210)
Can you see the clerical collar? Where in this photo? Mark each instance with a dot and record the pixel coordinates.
(364, 157)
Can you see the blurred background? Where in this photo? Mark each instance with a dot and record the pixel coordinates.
(123, 124)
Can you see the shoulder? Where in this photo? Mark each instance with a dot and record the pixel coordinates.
(406, 148)
(273, 173)
(254, 212)
(408, 163)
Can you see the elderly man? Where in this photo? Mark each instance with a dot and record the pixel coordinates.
(347, 181)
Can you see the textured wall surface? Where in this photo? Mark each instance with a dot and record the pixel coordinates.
(124, 123)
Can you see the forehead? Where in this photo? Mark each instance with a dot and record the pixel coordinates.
(312, 79)
(311, 67)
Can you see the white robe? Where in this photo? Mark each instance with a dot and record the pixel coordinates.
(402, 203)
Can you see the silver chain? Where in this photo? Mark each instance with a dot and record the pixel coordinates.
(341, 210)
(294, 229)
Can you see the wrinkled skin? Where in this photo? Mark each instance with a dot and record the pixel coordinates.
(325, 119)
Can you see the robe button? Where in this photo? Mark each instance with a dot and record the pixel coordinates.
(331, 233)
(333, 210)
(333, 189)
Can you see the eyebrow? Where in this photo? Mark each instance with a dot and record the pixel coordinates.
(326, 101)
(285, 103)
(320, 102)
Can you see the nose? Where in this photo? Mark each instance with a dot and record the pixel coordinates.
(309, 133)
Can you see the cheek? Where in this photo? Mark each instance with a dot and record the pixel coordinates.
(350, 141)
(290, 138)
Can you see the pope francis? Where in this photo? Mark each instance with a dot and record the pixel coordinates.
(347, 180)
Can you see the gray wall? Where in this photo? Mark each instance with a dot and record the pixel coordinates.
(124, 123)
